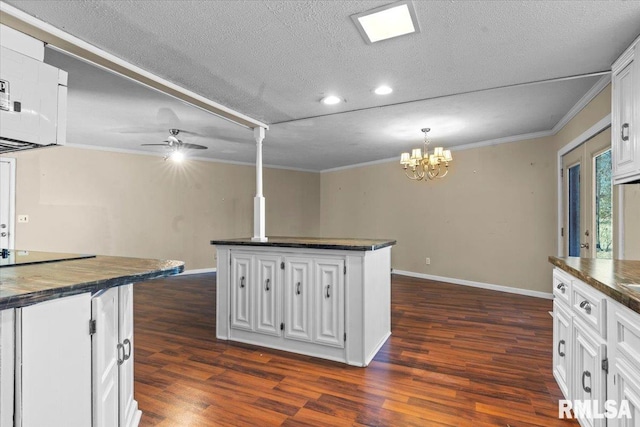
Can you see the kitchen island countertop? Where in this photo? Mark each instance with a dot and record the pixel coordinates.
(348, 244)
(24, 285)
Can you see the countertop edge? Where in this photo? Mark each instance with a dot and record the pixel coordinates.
(328, 246)
(26, 300)
(622, 297)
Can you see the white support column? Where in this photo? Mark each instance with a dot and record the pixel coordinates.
(258, 201)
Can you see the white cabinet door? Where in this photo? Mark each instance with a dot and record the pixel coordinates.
(129, 414)
(7, 352)
(104, 307)
(241, 298)
(562, 347)
(298, 292)
(589, 379)
(626, 388)
(55, 353)
(625, 122)
(329, 305)
(268, 290)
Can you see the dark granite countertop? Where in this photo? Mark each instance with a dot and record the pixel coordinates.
(312, 243)
(25, 285)
(611, 277)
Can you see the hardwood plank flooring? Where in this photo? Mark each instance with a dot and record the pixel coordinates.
(458, 356)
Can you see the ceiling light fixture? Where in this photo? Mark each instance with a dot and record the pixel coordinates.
(418, 166)
(331, 100)
(177, 156)
(382, 23)
(383, 90)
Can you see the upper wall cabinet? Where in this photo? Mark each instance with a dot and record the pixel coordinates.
(625, 123)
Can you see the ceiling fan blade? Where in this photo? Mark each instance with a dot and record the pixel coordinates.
(187, 132)
(192, 146)
(164, 145)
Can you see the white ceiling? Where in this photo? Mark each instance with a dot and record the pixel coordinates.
(274, 60)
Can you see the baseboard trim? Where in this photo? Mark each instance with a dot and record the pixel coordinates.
(490, 286)
(198, 271)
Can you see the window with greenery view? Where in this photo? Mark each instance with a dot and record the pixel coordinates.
(604, 203)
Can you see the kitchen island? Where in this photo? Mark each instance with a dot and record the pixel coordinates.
(328, 298)
(66, 338)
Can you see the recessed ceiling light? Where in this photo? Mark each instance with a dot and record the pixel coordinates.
(383, 90)
(331, 100)
(392, 20)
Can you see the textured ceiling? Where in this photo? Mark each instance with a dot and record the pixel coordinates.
(274, 60)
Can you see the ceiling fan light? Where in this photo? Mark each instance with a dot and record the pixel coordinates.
(383, 90)
(177, 156)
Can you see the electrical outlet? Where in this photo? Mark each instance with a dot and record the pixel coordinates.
(23, 218)
(428, 261)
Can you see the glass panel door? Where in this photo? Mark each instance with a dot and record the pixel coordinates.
(573, 219)
(603, 196)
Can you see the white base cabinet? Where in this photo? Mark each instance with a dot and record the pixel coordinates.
(596, 353)
(332, 304)
(68, 362)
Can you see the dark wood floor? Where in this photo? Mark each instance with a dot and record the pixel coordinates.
(458, 356)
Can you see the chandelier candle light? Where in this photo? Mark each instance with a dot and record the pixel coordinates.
(418, 166)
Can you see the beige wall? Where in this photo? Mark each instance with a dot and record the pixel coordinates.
(100, 202)
(492, 220)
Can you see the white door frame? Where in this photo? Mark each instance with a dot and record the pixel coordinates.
(12, 200)
(601, 125)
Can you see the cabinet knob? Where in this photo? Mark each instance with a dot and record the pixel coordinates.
(586, 305)
(562, 287)
(586, 374)
(118, 348)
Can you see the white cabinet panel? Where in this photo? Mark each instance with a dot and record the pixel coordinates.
(55, 352)
(589, 379)
(268, 289)
(129, 414)
(329, 304)
(241, 298)
(298, 292)
(562, 343)
(7, 366)
(104, 309)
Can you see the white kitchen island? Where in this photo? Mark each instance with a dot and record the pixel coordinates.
(328, 298)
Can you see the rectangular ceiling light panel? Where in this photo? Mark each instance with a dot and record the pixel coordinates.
(382, 23)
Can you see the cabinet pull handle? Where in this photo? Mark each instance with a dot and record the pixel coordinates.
(118, 348)
(560, 352)
(298, 288)
(327, 294)
(586, 305)
(266, 286)
(562, 287)
(622, 135)
(127, 355)
(242, 282)
(586, 374)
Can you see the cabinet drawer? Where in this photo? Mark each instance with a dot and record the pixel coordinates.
(590, 305)
(562, 287)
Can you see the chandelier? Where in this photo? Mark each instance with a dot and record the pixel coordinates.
(420, 164)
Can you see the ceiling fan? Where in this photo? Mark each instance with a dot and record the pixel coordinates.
(176, 146)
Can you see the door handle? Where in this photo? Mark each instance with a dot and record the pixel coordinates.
(298, 288)
(328, 295)
(118, 348)
(242, 282)
(266, 285)
(127, 355)
(586, 374)
(584, 245)
(622, 135)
